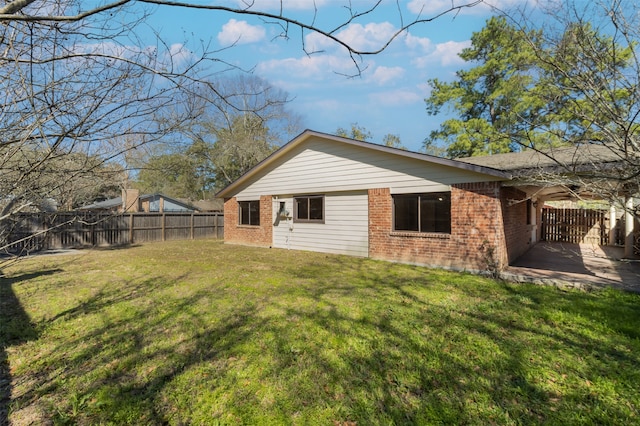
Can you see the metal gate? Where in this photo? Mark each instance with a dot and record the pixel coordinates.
(575, 226)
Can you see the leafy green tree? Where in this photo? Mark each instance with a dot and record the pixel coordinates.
(532, 89)
(488, 99)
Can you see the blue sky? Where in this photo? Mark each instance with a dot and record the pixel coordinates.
(388, 98)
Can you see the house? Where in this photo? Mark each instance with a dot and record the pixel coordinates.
(132, 201)
(331, 194)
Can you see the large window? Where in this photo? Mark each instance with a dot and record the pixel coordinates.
(309, 208)
(422, 212)
(249, 212)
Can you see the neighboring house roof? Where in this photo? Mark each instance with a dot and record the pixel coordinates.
(179, 203)
(308, 134)
(104, 205)
(114, 203)
(216, 204)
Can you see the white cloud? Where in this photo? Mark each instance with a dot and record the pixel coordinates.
(400, 97)
(414, 42)
(445, 54)
(383, 75)
(316, 66)
(367, 37)
(240, 32)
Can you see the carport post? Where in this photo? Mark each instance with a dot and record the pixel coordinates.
(628, 228)
(612, 225)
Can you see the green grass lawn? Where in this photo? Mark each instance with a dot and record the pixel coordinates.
(205, 333)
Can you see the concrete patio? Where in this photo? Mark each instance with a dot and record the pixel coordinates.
(582, 266)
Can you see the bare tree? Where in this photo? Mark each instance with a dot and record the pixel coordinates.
(283, 18)
(68, 92)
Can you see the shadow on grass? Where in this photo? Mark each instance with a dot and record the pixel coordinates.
(128, 367)
(332, 340)
(15, 328)
(495, 356)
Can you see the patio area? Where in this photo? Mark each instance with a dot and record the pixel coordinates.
(582, 266)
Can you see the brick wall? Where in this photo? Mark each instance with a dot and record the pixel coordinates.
(488, 227)
(477, 231)
(244, 234)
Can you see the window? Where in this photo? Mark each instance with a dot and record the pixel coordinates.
(309, 209)
(249, 213)
(422, 212)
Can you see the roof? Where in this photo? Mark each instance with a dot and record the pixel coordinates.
(106, 204)
(532, 171)
(117, 202)
(567, 158)
(209, 205)
(173, 200)
(233, 187)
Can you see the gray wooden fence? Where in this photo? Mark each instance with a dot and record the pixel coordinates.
(45, 231)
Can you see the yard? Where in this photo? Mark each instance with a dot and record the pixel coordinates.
(205, 333)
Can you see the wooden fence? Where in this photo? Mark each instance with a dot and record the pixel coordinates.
(45, 231)
(575, 226)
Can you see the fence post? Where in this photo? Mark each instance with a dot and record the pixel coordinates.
(130, 228)
(45, 238)
(217, 218)
(164, 223)
(95, 220)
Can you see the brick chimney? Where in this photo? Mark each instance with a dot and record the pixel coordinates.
(130, 202)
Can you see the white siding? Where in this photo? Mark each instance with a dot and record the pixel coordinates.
(321, 166)
(344, 230)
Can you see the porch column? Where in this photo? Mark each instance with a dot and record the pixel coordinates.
(628, 228)
(612, 225)
(533, 211)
